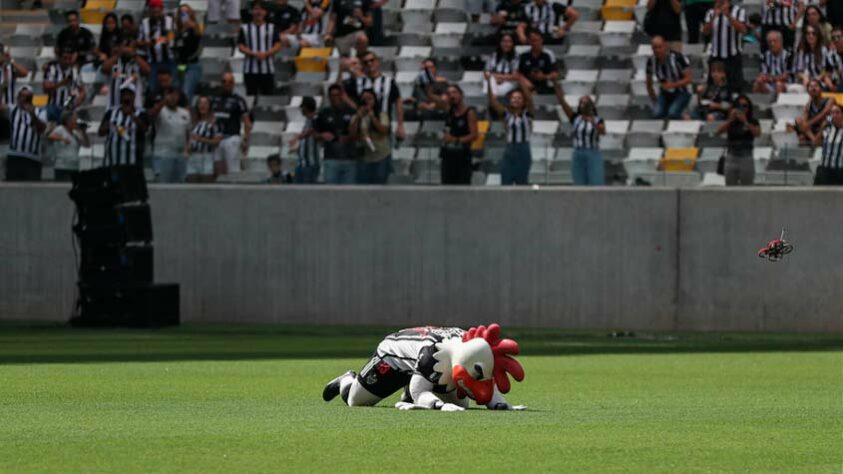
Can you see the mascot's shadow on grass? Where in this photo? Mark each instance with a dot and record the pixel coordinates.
(439, 368)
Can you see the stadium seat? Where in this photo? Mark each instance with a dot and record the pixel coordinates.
(615, 137)
(781, 137)
(681, 133)
(619, 10)
(617, 33)
(677, 179)
(762, 157)
(679, 159)
(642, 160)
(708, 159)
(448, 35)
(582, 56)
(580, 82)
(313, 60)
(789, 106)
(645, 133)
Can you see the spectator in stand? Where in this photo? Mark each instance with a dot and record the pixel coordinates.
(67, 138)
(503, 66)
(10, 71)
(110, 38)
(537, 66)
(664, 19)
(172, 133)
(203, 142)
(511, 18)
(77, 37)
(587, 162)
(460, 132)
(554, 20)
(375, 32)
(809, 125)
(370, 126)
(276, 173)
(830, 171)
(837, 56)
(259, 42)
(352, 78)
(128, 26)
(232, 11)
(781, 16)
(125, 66)
(311, 28)
(155, 99)
(188, 39)
(834, 13)
(695, 11)
(23, 162)
(673, 72)
(715, 98)
(753, 30)
(776, 64)
(517, 119)
(125, 128)
(347, 24)
(428, 76)
(726, 23)
(386, 91)
(230, 112)
(156, 36)
(63, 84)
(814, 17)
(307, 165)
(741, 129)
(332, 126)
(812, 59)
(285, 17)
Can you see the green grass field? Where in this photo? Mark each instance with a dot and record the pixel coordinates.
(223, 399)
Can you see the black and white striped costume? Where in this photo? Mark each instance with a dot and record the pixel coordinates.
(204, 130)
(725, 40)
(308, 149)
(671, 70)
(778, 15)
(519, 128)
(7, 85)
(121, 73)
(502, 65)
(150, 30)
(124, 143)
(258, 39)
(403, 349)
(55, 73)
(25, 140)
(386, 90)
(832, 156)
(776, 64)
(585, 132)
(807, 63)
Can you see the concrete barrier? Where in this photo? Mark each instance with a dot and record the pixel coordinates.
(575, 258)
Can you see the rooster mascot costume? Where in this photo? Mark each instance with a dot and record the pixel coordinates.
(439, 368)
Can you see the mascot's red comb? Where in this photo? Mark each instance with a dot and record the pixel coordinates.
(503, 350)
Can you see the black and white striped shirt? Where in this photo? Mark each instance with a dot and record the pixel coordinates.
(55, 73)
(725, 40)
(258, 38)
(519, 128)
(204, 130)
(25, 139)
(124, 143)
(308, 150)
(836, 63)
(778, 14)
(386, 90)
(313, 26)
(545, 17)
(585, 132)
(807, 63)
(7, 85)
(121, 73)
(151, 30)
(404, 348)
(832, 146)
(671, 70)
(776, 64)
(502, 65)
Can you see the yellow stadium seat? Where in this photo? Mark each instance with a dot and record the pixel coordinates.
(482, 130)
(92, 17)
(619, 10)
(836, 96)
(100, 5)
(39, 100)
(313, 59)
(679, 159)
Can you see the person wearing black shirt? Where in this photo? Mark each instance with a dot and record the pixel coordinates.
(664, 19)
(285, 17)
(110, 38)
(830, 171)
(259, 42)
(537, 66)
(347, 24)
(332, 126)
(188, 36)
(834, 12)
(741, 129)
(511, 18)
(231, 111)
(460, 132)
(76, 37)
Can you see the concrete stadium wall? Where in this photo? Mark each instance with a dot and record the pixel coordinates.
(573, 258)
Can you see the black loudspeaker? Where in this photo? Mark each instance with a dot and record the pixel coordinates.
(128, 305)
(116, 225)
(104, 187)
(116, 265)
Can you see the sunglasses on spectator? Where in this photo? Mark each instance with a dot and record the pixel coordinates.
(369, 61)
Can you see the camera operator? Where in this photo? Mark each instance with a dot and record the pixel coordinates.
(66, 139)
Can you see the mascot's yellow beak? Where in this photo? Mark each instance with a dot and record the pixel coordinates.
(480, 390)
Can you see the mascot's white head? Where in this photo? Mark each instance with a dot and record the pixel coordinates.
(478, 363)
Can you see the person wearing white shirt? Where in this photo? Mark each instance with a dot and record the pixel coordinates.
(172, 125)
(66, 140)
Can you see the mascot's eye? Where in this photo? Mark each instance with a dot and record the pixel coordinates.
(479, 369)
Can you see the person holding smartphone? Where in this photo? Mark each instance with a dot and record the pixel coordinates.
(741, 128)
